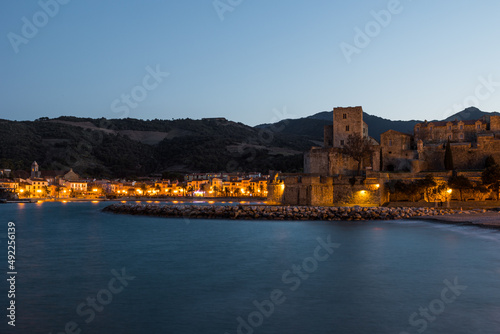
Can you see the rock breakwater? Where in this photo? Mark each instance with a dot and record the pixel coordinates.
(265, 212)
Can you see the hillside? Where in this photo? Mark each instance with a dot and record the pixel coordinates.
(312, 127)
(131, 147)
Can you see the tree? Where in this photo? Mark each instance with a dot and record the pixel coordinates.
(448, 157)
(358, 148)
(427, 184)
(415, 188)
(399, 188)
(491, 178)
(144, 189)
(381, 161)
(460, 183)
(490, 161)
(46, 190)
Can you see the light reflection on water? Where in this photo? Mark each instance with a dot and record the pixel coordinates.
(199, 278)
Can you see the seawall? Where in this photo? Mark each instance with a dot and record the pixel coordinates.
(266, 212)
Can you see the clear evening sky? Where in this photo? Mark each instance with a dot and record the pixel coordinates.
(252, 61)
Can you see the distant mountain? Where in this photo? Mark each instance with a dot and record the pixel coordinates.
(312, 127)
(471, 113)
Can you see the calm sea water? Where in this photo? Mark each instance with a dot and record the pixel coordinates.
(216, 276)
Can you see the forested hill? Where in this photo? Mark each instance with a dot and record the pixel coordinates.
(131, 147)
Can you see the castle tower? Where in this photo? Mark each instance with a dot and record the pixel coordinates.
(495, 123)
(348, 121)
(35, 173)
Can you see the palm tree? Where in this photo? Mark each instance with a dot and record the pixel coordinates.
(144, 189)
(46, 190)
(58, 190)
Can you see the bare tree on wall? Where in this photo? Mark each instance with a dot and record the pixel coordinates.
(358, 148)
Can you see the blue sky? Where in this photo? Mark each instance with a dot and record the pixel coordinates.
(251, 61)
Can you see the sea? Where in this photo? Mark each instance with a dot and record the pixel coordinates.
(79, 270)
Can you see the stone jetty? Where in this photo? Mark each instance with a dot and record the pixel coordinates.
(268, 212)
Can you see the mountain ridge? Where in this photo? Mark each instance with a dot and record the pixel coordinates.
(312, 126)
(133, 147)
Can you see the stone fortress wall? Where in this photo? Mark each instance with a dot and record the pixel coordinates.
(329, 177)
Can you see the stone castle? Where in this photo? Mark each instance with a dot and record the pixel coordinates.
(471, 142)
(329, 160)
(330, 176)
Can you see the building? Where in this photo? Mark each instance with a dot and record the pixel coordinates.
(5, 172)
(37, 187)
(471, 142)
(77, 187)
(35, 173)
(329, 159)
(329, 177)
(396, 149)
(71, 176)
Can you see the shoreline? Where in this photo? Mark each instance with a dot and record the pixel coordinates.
(487, 219)
(174, 200)
(477, 217)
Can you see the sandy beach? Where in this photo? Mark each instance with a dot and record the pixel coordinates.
(488, 219)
